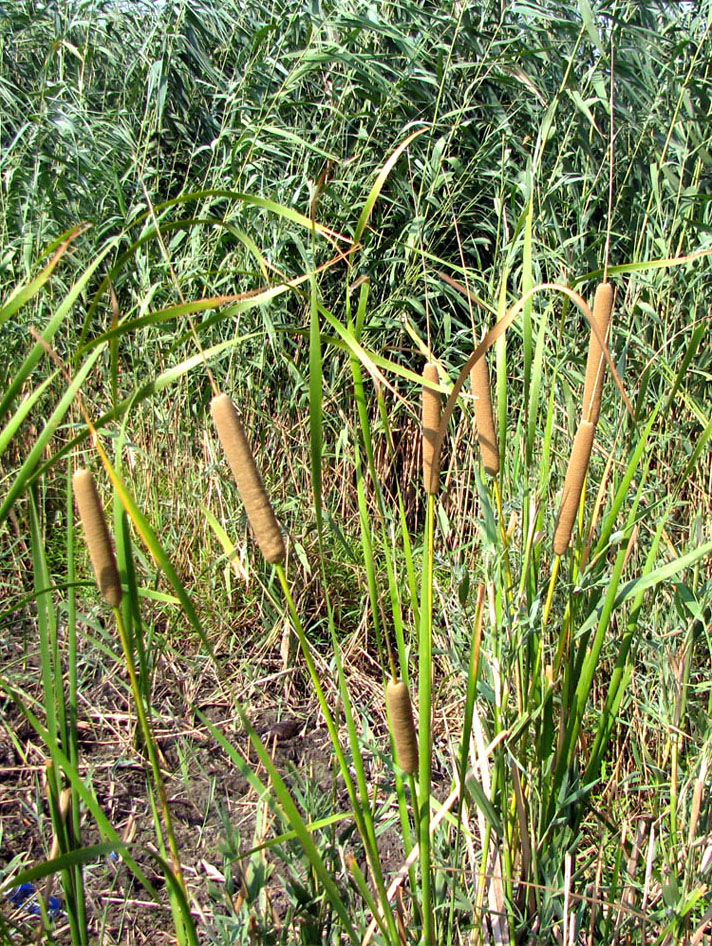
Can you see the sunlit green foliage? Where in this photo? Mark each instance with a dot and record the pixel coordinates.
(299, 204)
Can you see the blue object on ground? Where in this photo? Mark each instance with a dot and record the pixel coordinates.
(18, 895)
(26, 895)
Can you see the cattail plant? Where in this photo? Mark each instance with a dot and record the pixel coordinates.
(431, 421)
(266, 529)
(239, 456)
(96, 531)
(573, 484)
(484, 419)
(596, 363)
(103, 562)
(432, 404)
(400, 712)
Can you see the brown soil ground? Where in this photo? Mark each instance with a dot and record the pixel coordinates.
(216, 813)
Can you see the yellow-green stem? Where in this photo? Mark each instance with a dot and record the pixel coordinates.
(481, 883)
(505, 539)
(425, 684)
(363, 825)
(416, 823)
(563, 640)
(550, 593)
(673, 791)
(150, 747)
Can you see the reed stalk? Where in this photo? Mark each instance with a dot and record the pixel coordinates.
(431, 408)
(101, 553)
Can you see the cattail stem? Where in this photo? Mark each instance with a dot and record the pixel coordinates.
(573, 485)
(432, 403)
(103, 562)
(596, 363)
(98, 541)
(505, 538)
(484, 418)
(150, 744)
(239, 456)
(425, 708)
(550, 593)
(400, 713)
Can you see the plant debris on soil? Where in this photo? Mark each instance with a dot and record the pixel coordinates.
(215, 811)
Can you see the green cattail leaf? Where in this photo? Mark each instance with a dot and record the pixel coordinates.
(484, 804)
(61, 313)
(150, 540)
(315, 401)
(25, 474)
(380, 181)
(158, 384)
(64, 764)
(22, 294)
(81, 855)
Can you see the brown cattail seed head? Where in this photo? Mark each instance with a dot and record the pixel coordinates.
(401, 715)
(573, 484)
(239, 456)
(596, 363)
(432, 403)
(97, 537)
(486, 435)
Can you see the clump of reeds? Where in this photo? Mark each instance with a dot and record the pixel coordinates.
(583, 441)
(484, 418)
(400, 712)
(249, 483)
(432, 403)
(98, 541)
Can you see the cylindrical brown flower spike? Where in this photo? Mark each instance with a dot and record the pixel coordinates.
(484, 419)
(97, 537)
(432, 402)
(573, 484)
(239, 456)
(596, 363)
(401, 715)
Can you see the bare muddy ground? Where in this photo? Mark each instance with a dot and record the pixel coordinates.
(217, 815)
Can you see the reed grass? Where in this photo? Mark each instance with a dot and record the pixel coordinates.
(294, 186)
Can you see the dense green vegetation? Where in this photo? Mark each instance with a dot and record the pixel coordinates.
(299, 205)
